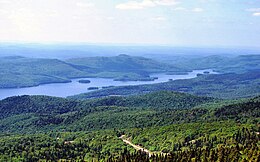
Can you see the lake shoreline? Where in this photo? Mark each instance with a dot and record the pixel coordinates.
(73, 87)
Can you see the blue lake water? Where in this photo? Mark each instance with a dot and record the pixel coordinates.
(74, 87)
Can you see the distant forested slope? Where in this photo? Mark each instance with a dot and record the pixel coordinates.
(221, 63)
(16, 71)
(123, 63)
(124, 67)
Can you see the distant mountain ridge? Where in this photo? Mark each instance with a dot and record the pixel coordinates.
(123, 62)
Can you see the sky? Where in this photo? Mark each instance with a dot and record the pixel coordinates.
(162, 22)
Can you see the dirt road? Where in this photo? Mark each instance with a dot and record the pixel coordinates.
(137, 147)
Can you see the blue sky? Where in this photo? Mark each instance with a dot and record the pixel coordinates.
(163, 22)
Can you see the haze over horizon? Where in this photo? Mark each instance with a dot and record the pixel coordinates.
(163, 22)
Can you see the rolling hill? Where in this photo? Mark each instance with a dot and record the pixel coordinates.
(21, 72)
(123, 63)
(124, 67)
(179, 126)
(45, 113)
(221, 63)
(17, 71)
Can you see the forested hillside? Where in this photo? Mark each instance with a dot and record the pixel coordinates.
(21, 72)
(170, 125)
(221, 63)
(123, 63)
(124, 67)
(16, 71)
(26, 113)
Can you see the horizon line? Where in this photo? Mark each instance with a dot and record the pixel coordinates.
(125, 44)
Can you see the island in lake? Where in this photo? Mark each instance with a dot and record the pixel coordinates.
(93, 88)
(85, 81)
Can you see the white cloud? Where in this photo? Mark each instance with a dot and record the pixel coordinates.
(179, 9)
(135, 5)
(5, 2)
(3, 12)
(25, 21)
(256, 14)
(166, 2)
(255, 11)
(85, 5)
(110, 18)
(51, 13)
(159, 18)
(197, 10)
(188, 9)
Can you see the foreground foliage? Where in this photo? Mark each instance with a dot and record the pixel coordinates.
(173, 126)
(235, 145)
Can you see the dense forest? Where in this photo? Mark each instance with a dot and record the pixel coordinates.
(173, 126)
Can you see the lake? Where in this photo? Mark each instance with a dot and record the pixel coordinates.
(74, 87)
